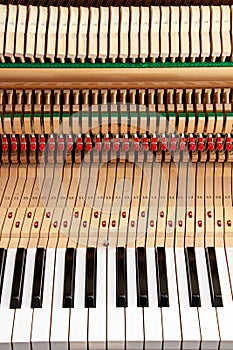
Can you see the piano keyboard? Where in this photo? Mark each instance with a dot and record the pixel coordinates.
(176, 298)
(116, 175)
(115, 34)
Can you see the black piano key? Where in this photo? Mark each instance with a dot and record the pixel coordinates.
(18, 279)
(121, 277)
(69, 278)
(38, 279)
(141, 271)
(163, 297)
(2, 268)
(214, 283)
(193, 285)
(90, 290)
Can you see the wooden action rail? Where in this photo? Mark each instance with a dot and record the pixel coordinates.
(115, 78)
(118, 204)
(88, 3)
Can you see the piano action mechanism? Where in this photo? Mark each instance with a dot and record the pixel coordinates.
(116, 150)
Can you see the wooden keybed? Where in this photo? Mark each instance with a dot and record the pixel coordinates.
(188, 204)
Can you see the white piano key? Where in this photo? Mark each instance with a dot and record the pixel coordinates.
(229, 254)
(152, 314)
(23, 316)
(60, 316)
(78, 314)
(41, 31)
(174, 32)
(92, 34)
(189, 316)
(42, 316)
(20, 32)
(7, 314)
(215, 32)
(164, 32)
(184, 32)
(205, 32)
(31, 32)
(3, 14)
(133, 314)
(62, 33)
(103, 33)
(115, 315)
(72, 33)
(225, 313)
(82, 33)
(134, 33)
(195, 32)
(144, 32)
(97, 315)
(225, 31)
(207, 314)
(154, 32)
(52, 33)
(114, 33)
(231, 25)
(124, 33)
(170, 315)
(10, 32)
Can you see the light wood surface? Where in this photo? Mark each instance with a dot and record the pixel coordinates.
(110, 78)
(117, 204)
